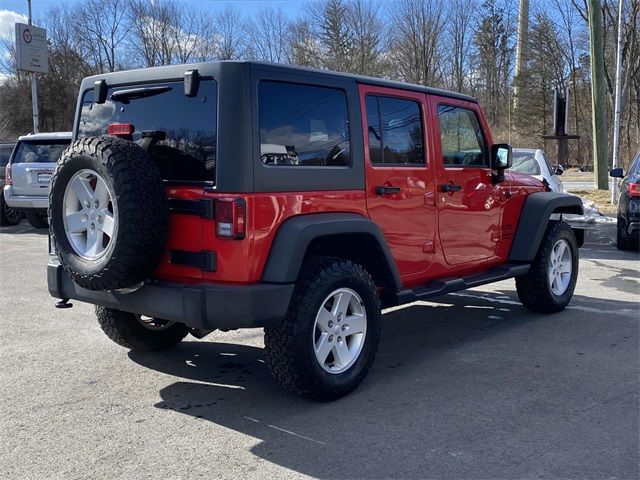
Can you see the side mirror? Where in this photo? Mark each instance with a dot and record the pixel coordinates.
(501, 156)
(616, 173)
(559, 170)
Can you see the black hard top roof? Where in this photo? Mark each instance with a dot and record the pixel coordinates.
(214, 68)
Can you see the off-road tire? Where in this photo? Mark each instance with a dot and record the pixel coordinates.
(37, 219)
(127, 331)
(142, 213)
(534, 289)
(289, 347)
(7, 220)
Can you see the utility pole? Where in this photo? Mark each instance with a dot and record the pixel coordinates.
(618, 108)
(523, 37)
(599, 123)
(522, 56)
(34, 89)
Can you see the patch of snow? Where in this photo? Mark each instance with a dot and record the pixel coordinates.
(591, 214)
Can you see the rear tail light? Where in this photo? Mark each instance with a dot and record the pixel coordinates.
(122, 130)
(231, 218)
(7, 175)
(633, 189)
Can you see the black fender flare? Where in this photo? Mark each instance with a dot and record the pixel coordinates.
(534, 218)
(294, 236)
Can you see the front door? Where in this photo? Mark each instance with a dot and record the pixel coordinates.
(469, 206)
(400, 185)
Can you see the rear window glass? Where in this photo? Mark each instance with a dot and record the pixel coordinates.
(45, 151)
(303, 125)
(179, 132)
(525, 163)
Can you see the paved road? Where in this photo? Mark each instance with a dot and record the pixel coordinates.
(472, 386)
(588, 185)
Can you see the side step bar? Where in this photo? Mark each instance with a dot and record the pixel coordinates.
(444, 286)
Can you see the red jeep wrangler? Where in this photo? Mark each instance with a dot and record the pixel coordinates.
(240, 194)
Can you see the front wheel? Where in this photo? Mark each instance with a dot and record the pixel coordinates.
(137, 332)
(328, 340)
(551, 280)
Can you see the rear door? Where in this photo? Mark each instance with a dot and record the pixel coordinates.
(399, 179)
(470, 205)
(32, 165)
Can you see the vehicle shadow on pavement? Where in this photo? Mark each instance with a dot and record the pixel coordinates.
(24, 227)
(473, 386)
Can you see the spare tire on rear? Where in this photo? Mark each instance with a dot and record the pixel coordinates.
(108, 213)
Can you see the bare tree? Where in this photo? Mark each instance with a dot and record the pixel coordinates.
(267, 34)
(494, 52)
(230, 34)
(417, 30)
(304, 47)
(460, 33)
(102, 28)
(367, 34)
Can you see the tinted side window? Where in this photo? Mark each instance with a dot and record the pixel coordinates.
(395, 131)
(463, 143)
(179, 132)
(303, 125)
(5, 153)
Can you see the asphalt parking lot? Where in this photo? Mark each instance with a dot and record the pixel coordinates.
(473, 386)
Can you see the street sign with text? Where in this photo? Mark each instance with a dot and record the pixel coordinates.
(31, 48)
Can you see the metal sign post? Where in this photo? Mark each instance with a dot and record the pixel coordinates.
(617, 108)
(32, 56)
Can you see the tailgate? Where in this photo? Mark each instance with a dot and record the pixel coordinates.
(32, 179)
(183, 259)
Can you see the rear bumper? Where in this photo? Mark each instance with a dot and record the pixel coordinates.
(633, 229)
(203, 306)
(25, 202)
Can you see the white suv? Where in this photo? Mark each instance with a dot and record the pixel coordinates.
(29, 171)
(534, 162)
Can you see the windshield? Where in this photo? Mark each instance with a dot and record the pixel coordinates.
(525, 163)
(43, 151)
(179, 132)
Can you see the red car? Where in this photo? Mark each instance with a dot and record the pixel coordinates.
(240, 194)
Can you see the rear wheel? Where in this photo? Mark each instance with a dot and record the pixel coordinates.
(137, 332)
(326, 344)
(622, 241)
(551, 280)
(9, 216)
(37, 219)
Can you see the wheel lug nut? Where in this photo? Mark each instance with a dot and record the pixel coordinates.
(339, 339)
(344, 327)
(331, 338)
(330, 323)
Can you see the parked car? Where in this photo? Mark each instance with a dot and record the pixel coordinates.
(232, 195)
(629, 205)
(535, 162)
(8, 216)
(28, 174)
